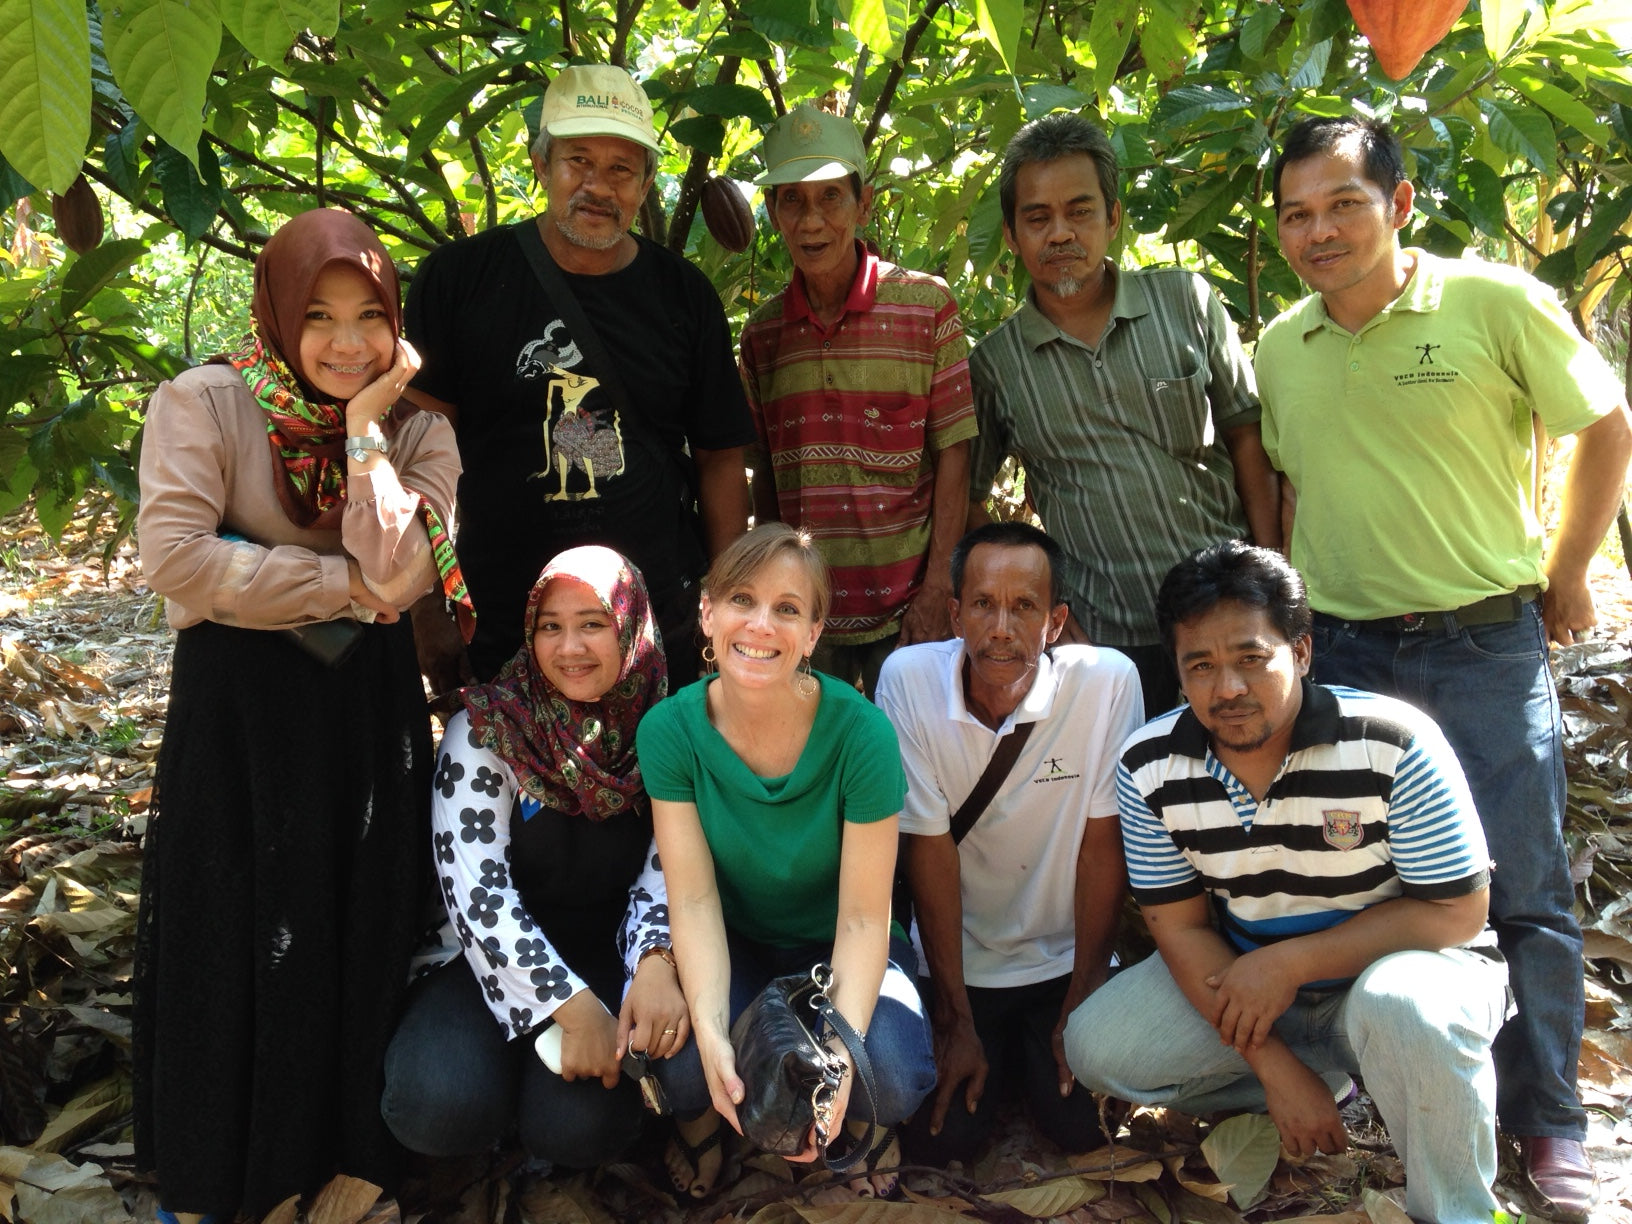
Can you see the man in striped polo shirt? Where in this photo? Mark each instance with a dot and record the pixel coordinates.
(1312, 869)
(858, 378)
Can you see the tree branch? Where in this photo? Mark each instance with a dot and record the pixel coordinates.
(158, 214)
(892, 79)
(768, 74)
(621, 29)
(691, 187)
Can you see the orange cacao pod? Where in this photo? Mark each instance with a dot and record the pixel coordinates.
(727, 215)
(1401, 31)
(78, 214)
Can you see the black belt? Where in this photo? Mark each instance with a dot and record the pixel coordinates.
(1496, 610)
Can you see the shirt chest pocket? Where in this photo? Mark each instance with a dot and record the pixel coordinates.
(1174, 407)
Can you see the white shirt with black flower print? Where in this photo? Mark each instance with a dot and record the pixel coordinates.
(523, 978)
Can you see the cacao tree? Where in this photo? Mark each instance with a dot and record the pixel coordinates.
(193, 126)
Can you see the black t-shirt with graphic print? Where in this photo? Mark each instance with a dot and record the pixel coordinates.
(548, 461)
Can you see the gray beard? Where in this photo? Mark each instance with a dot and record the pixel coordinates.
(1066, 286)
(570, 231)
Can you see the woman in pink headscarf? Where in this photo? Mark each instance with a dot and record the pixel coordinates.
(292, 506)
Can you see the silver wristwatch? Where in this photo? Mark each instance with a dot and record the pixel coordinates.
(358, 448)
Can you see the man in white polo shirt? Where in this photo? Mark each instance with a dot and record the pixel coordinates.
(1015, 920)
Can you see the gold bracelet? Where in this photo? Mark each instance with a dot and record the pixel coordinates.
(662, 953)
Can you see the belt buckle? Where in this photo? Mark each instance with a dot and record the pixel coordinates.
(1413, 622)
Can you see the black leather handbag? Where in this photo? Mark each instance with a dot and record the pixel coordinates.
(790, 1079)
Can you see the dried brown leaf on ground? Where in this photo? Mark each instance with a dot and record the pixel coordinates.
(89, 640)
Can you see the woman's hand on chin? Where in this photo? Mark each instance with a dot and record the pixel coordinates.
(589, 1040)
(654, 1018)
(376, 399)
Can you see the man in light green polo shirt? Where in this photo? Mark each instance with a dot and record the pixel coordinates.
(1400, 400)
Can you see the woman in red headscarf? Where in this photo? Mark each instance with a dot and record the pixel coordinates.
(291, 508)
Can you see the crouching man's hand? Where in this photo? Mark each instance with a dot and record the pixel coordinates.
(1300, 1103)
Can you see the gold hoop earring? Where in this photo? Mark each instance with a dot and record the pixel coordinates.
(808, 684)
(709, 657)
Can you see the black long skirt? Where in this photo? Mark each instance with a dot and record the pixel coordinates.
(284, 879)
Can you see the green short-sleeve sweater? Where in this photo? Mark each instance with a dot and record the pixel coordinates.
(775, 841)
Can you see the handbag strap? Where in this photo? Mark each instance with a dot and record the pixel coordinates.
(865, 1081)
(993, 776)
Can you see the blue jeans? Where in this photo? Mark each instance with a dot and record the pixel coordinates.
(1489, 689)
(455, 1084)
(1416, 1025)
(897, 1042)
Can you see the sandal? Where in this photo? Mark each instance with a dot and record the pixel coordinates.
(885, 1152)
(696, 1186)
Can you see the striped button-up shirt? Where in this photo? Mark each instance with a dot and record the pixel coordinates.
(1121, 445)
(853, 416)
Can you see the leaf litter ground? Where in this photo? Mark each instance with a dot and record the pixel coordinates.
(84, 659)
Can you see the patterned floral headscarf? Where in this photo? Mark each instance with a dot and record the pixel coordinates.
(306, 431)
(577, 757)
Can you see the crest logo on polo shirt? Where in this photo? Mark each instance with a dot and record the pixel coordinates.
(1342, 829)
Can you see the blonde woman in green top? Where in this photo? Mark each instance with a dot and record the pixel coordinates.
(775, 792)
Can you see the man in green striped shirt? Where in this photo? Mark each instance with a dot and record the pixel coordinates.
(1125, 394)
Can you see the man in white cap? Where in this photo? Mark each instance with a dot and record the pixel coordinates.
(588, 375)
(858, 377)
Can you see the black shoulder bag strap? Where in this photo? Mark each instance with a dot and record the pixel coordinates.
(992, 777)
(565, 300)
(986, 787)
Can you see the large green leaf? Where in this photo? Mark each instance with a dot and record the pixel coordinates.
(440, 106)
(13, 186)
(1502, 19)
(190, 202)
(704, 133)
(22, 375)
(1603, 233)
(1521, 131)
(1184, 105)
(1557, 102)
(879, 24)
(95, 268)
(728, 102)
(1110, 31)
(999, 21)
(986, 231)
(266, 28)
(1259, 27)
(1207, 205)
(45, 89)
(161, 53)
(1168, 37)
(1478, 191)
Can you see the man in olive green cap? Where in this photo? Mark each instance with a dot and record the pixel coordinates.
(857, 375)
